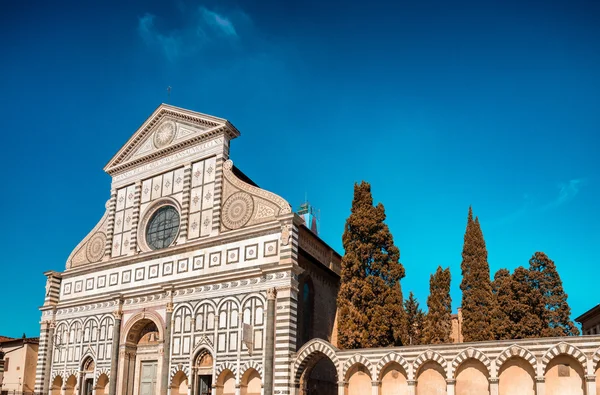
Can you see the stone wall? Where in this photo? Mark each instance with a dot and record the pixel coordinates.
(549, 366)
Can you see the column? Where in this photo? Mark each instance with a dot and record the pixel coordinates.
(270, 341)
(238, 389)
(112, 206)
(114, 357)
(450, 383)
(342, 387)
(192, 381)
(164, 372)
(590, 382)
(540, 386)
(375, 387)
(412, 386)
(493, 386)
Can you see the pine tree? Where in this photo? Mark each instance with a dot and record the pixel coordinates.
(370, 297)
(477, 298)
(503, 300)
(414, 321)
(525, 313)
(555, 309)
(438, 321)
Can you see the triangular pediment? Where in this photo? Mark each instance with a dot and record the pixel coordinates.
(168, 130)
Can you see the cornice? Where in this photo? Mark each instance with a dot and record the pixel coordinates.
(163, 110)
(229, 237)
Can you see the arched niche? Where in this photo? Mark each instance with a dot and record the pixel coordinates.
(564, 376)
(56, 386)
(472, 378)
(70, 385)
(431, 379)
(226, 383)
(251, 383)
(359, 380)
(179, 384)
(516, 377)
(102, 385)
(393, 379)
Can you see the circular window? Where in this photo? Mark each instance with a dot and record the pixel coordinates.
(162, 227)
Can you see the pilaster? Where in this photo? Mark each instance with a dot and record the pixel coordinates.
(450, 386)
(540, 386)
(185, 202)
(114, 360)
(590, 383)
(493, 386)
(135, 217)
(412, 387)
(375, 387)
(110, 226)
(44, 360)
(270, 342)
(164, 382)
(342, 387)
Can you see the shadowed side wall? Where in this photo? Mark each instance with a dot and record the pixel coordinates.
(325, 286)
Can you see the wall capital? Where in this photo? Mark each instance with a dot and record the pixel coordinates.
(540, 379)
(450, 381)
(590, 378)
(271, 294)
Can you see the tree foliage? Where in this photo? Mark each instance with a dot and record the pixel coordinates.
(370, 297)
(438, 321)
(477, 298)
(555, 310)
(414, 321)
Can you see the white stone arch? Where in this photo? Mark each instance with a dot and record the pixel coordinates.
(357, 359)
(428, 356)
(182, 305)
(515, 351)
(391, 357)
(563, 348)
(143, 315)
(89, 353)
(314, 346)
(91, 318)
(56, 374)
(202, 303)
(178, 368)
(251, 365)
(100, 372)
(225, 366)
(596, 361)
(75, 321)
(470, 353)
(228, 299)
(203, 343)
(253, 295)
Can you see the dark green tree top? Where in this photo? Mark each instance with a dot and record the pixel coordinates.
(370, 298)
(557, 313)
(438, 321)
(477, 298)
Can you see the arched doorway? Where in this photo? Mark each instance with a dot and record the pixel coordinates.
(57, 384)
(472, 378)
(102, 385)
(393, 379)
(141, 362)
(87, 376)
(202, 373)
(319, 376)
(251, 383)
(564, 375)
(516, 377)
(225, 383)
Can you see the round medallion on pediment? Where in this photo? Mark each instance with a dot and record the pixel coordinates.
(237, 210)
(95, 247)
(164, 135)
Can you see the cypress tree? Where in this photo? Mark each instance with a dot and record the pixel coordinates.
(555, 311)
(438, 321)
(503, 301)
(370, 297)
(477, 298)
(414, 321)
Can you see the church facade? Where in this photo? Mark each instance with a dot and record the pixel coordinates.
(196, 281)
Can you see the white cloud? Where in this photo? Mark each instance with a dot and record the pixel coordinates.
(195, 32)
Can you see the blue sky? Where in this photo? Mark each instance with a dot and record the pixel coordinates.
(439, 105)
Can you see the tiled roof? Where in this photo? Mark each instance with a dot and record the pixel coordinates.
(5, 338)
